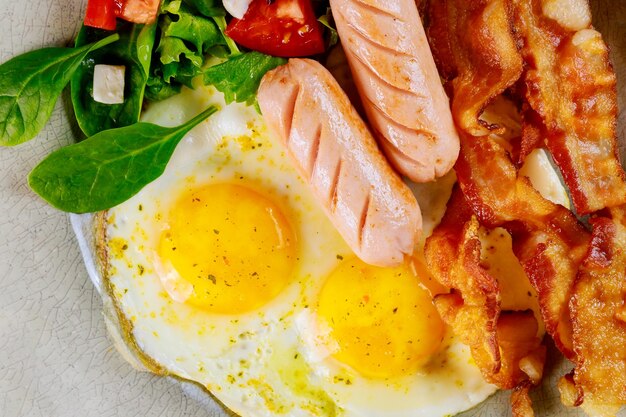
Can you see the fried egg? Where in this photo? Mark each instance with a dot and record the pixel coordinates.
(225, 272)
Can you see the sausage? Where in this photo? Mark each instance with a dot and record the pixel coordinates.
(399, 85)
(371, 207)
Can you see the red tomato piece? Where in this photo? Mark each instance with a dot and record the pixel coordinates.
(286, 28)
(101, 14)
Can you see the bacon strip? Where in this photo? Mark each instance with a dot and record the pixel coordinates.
(571, 101)
(598, 308)
(480, 63)
(472, 308)
(504, 344)
(547, 239)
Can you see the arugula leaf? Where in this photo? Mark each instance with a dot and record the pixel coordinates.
(109, 167)
(30, 85)
(240, 76)
(134, 51)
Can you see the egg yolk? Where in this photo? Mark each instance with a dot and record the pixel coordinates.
(381, 321)
(228, 248)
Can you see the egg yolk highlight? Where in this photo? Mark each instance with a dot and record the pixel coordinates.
(231, 249)
(382, 322)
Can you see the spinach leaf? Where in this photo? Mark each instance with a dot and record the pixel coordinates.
(134, 51)
(30, 85)
(109, 167)
(240, 76)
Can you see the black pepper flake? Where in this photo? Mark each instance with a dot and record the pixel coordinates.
(217, 232)
(395, 310)
(212, 278)
(340, 257)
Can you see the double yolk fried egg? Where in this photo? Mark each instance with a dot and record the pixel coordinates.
(225, 272)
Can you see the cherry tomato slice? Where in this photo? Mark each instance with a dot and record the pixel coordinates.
(286, 28)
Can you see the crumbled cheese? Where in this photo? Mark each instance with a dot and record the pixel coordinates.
(108, 84)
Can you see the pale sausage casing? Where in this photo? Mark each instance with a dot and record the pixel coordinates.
(399, 85)
(373, 210)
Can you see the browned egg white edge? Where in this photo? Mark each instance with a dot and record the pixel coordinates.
(119, 327)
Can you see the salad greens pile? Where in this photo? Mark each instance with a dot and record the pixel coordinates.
(186, 43)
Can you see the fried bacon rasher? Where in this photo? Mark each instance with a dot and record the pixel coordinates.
(480, 64)
(598, 381)
(547, 238)
(504, 344)
(567, 98)
(569, 88)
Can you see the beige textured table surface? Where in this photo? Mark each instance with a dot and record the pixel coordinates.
(55, 358)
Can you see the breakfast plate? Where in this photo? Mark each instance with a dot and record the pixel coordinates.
(57, 359)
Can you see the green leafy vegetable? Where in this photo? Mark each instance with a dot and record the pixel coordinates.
(109, 167)
(209, 8)
(187, 36)
(134, 51)
(240, 76)
(30, 86)
(198, 31)
(327, 20)
(232, 46)
(158, 89)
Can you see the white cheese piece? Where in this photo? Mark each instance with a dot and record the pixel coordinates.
(237, 8)
(108, 84)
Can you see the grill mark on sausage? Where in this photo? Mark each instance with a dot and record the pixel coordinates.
(375, 9)
(363, 217)
(398, 154)
(315, 150)
(335, 186)
(370, 69)
(290, 109)
(379, 46)
(429, 134)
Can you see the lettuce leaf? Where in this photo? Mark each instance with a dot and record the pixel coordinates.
(186, 39)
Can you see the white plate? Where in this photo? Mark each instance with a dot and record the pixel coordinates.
(55, 358)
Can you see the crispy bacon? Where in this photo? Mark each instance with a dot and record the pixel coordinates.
(567, 98)
(571, 100)
(504, 345)
(547, 238)
(521, 404)
(598, 308)
(472, 308)
(474, 48)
